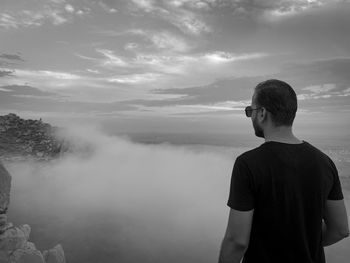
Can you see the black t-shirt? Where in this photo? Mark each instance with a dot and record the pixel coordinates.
(287, 185)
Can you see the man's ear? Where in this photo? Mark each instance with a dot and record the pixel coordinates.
(263, 114)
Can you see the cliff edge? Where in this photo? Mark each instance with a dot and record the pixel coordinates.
(21, 138)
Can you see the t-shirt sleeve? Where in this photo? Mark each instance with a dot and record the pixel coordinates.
(336, 190)
(241, 193)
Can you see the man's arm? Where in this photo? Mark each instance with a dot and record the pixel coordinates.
(237, 236)
(335, 226)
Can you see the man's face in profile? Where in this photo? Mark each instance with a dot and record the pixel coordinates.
(259, 132)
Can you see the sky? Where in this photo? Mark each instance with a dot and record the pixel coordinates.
(182, 64)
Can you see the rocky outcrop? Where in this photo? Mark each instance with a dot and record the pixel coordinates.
(20, 138)
(14, 241)
(54, 255)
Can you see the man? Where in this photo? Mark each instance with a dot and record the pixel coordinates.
(285, 200)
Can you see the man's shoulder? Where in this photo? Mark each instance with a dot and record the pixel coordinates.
(264, 150)
(251, 154)
(317, 151)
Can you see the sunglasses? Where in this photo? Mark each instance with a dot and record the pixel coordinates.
(249, 110)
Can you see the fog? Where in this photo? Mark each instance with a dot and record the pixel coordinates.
(125, 201)
(119, 201)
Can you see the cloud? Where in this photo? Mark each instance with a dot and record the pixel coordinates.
(86, 57)
(145, 72)
(111, 59)
(15, 57)
(135, 78)
(3, 89)
(168, 41)
(62, 82)
(179, 109)
(320, 88)
(188, 22)
(319, 72)
(323, 92)
(274, 7)
(44, 74)
(277, 8)
(58, 1)
(131, 46)
(145, 62)
(7, 21)
(170, 62)
(23, 90)
(151, 205)
(69, 8)
(161, 40)
(90, 85)
(314, 33)
(185, 20)
(163, 52)
(145, 5)
(93, 71)
(211, 63)
(107, 7)
(224, 57)
(319, 79)
(27, 18)
(40, 13)
(312, 96)
(193, 4)
(220, 92)
(9, 61)
(4, 73)
(57, 18)
(27, 98)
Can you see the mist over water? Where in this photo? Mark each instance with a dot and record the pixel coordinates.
(125, 202)
(121, 201)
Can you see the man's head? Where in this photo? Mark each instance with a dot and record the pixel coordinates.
(275, 104)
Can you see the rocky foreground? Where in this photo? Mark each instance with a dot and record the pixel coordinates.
(21, 139)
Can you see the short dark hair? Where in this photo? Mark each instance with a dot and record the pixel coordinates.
(279, 99)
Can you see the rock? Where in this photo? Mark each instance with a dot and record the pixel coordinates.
(5, 187)
(3, 220)
(6, 226)
(54, 255)
(4, 257)
(27, 254)
(40, 154)
(14, 244)
(14, 238)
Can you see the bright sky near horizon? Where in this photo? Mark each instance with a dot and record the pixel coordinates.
(188, 59)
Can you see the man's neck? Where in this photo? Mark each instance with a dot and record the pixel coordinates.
(281, 134)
